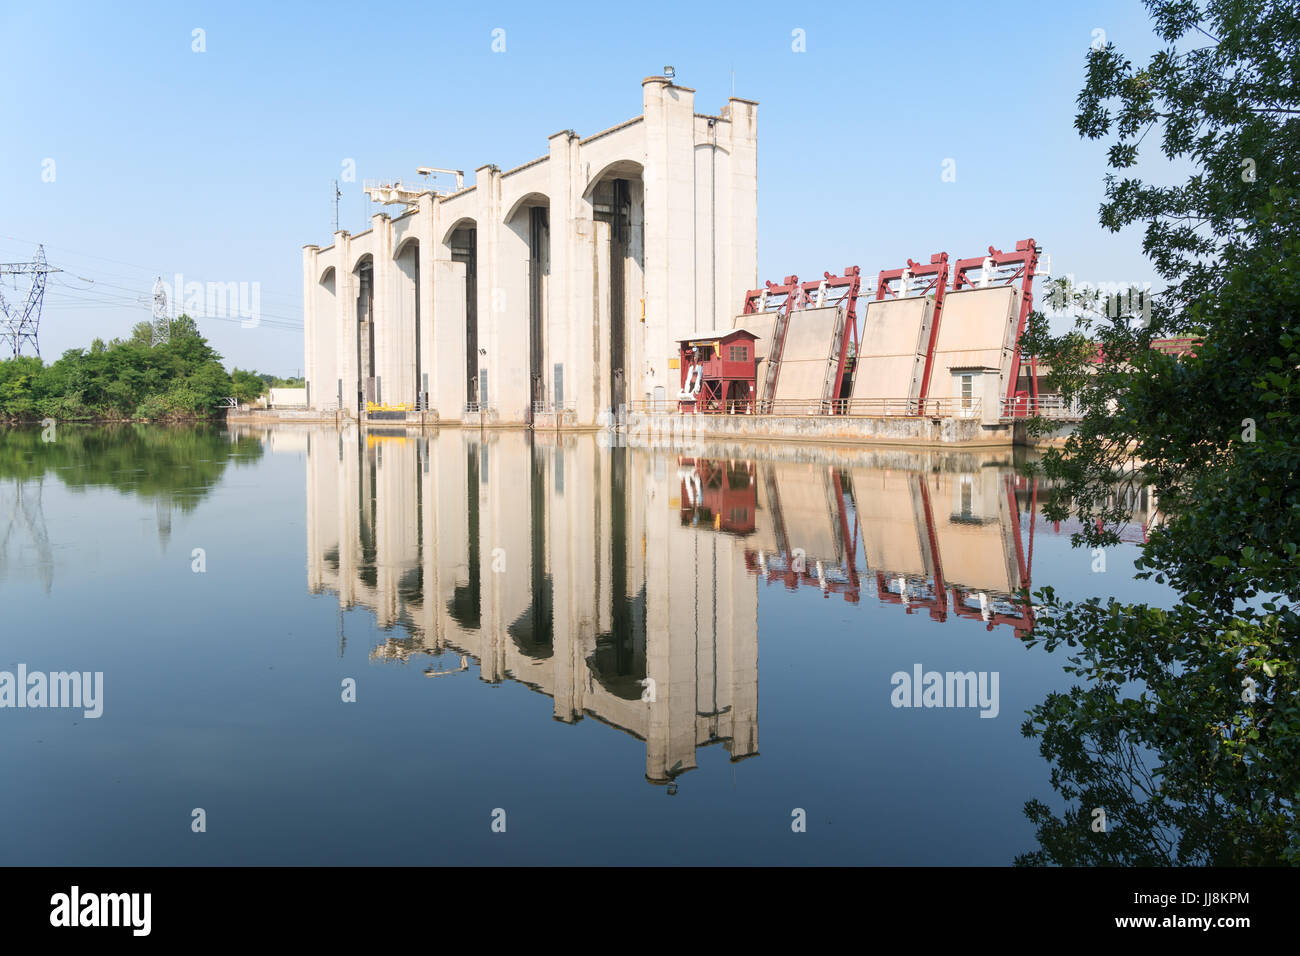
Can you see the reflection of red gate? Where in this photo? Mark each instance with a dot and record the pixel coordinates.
(927, 590)
(933, 594)
(793, 570)
(920, 592)
(1023, 622)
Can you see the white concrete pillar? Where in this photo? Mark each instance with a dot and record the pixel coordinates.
(385, 318)
(426, 233)
(487, 198)
(310, 255)
(670, 255)
(346, 305)
(513, 333)
(562, 314)
(738, 247)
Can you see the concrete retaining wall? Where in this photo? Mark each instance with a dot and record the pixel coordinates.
(832, 428)
(674, 430)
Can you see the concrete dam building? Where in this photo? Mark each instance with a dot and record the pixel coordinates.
(558, 287)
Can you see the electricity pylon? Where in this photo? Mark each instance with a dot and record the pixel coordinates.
(162, 321)
(21, 323)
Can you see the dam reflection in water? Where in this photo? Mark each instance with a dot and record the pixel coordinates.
(625, 584)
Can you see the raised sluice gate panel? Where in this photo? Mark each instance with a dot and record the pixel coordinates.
(891, 356)
(806, 369)
(978, 328)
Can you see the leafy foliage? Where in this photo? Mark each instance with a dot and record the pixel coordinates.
(1200, 698)
(127, 379)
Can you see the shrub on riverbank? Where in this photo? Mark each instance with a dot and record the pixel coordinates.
(126, 379)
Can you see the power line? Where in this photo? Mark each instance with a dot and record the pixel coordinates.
(152, 270)
(137, 297)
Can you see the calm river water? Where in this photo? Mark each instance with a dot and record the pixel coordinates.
(468, 648)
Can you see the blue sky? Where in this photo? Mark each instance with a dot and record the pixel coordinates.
(217, 165)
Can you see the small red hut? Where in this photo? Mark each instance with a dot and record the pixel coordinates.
(718, 369)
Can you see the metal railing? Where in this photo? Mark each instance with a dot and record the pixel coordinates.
(661, 406)
(946, 407)
(550, 408)
(1045, 406)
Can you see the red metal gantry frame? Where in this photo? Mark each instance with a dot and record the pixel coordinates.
(756, 302)
(792, 294)
(1026, 258)
(797, 295)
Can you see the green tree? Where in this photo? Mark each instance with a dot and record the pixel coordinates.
(141, 333)
(181, 378)
(1212, 434)
(247, 386)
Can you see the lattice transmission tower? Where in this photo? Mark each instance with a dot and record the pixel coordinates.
(162, 319)
(21, 323)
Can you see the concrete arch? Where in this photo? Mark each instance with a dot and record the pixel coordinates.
(716, 147)
(460, 223)
(620, 246)
(324, 274)
(619, 169)
(406, 241)
(533, 198)
(360, 259)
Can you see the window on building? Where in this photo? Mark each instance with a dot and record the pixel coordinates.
(967, 390)
(739, 353)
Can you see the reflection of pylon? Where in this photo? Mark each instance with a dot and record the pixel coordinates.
(22, 323)
(28, 514)
(162, 320)
(163, 512)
